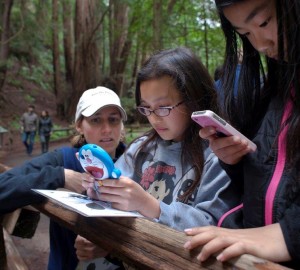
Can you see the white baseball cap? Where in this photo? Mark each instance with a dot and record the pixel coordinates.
(97, 98)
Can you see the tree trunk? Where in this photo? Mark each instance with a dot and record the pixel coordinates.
(4, 45)
(58, 89)
(205, 37)
(68, 51)
(157, 24)
(86, 72)
(119, 43)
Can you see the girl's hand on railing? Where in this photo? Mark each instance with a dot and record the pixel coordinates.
(265, 242)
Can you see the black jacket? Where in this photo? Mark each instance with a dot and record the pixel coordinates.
(253, 175)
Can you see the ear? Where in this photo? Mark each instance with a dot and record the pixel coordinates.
(77, 155)
(78, 127)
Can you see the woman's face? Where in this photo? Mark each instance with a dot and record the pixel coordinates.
(256, 20)
(161, 92)
(103, 128)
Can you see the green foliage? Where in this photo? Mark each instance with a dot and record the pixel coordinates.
(14, 124)
(29, 99)
(59, 134)
(14, 82)
(37, 75)
(31, 45)
(132, 131)
(129, 105)
(190, 23)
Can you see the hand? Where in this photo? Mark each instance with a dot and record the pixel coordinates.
(127, 195)
(86, 250)
(88, 183)
(73, 181)
(229, 149)
(265, 242)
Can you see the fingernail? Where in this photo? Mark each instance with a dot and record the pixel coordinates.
(220, 257)
(187, 245)
(187, 230)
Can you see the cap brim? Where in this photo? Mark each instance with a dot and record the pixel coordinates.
(92, 109)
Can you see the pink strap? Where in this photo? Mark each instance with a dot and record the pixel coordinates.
(228, 213)
(281, 156)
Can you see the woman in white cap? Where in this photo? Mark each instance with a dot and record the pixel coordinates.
(98, 120)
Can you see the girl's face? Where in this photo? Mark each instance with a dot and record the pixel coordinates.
(103, 128)
(157, 93)
(256, 20)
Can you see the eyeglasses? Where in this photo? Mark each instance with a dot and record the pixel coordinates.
(161, 111)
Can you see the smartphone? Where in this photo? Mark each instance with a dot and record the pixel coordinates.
(208, 118)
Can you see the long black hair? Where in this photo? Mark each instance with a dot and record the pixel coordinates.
(196, 87)
(281, 78)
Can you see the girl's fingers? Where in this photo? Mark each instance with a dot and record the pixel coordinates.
(207, 133)
(108, 197)
(232, 251)
(200, 238)
(213, 246)
(196, 230)
(112, 183)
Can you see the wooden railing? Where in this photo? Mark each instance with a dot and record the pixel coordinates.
(137, 241)
(143, 243)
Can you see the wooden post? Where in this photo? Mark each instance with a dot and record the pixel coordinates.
(2, 247)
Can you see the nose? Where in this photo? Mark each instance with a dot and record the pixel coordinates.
(262, 43)
(153, 118)
(105, 127)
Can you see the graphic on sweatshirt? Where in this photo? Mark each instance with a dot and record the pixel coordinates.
(184, 187)
(164, 181)
(157, 179)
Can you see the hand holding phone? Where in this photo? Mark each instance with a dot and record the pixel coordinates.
(208, 118)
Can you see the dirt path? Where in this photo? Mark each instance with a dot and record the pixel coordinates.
(35, 251)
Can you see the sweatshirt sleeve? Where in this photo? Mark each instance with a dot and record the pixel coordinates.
(43, 172)
(209, 205)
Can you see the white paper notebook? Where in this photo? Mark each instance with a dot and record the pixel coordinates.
(84, 205)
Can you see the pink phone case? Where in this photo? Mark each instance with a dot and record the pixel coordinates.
(208, 118)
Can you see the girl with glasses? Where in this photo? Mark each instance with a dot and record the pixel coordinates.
(269, 114)
(169, 174)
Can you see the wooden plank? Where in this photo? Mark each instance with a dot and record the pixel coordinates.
(3, 259)
(144, 243)
(13, 257)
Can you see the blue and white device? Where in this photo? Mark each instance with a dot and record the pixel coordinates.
(96, 161)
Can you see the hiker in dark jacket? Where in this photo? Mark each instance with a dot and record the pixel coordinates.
(45, 129)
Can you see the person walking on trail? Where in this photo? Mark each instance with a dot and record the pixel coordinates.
(45, 129)
(29, 125)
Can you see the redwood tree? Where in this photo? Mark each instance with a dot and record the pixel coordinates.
(86, 71)
(4, 45)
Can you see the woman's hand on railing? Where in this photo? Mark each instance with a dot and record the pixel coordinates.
(86, 250)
